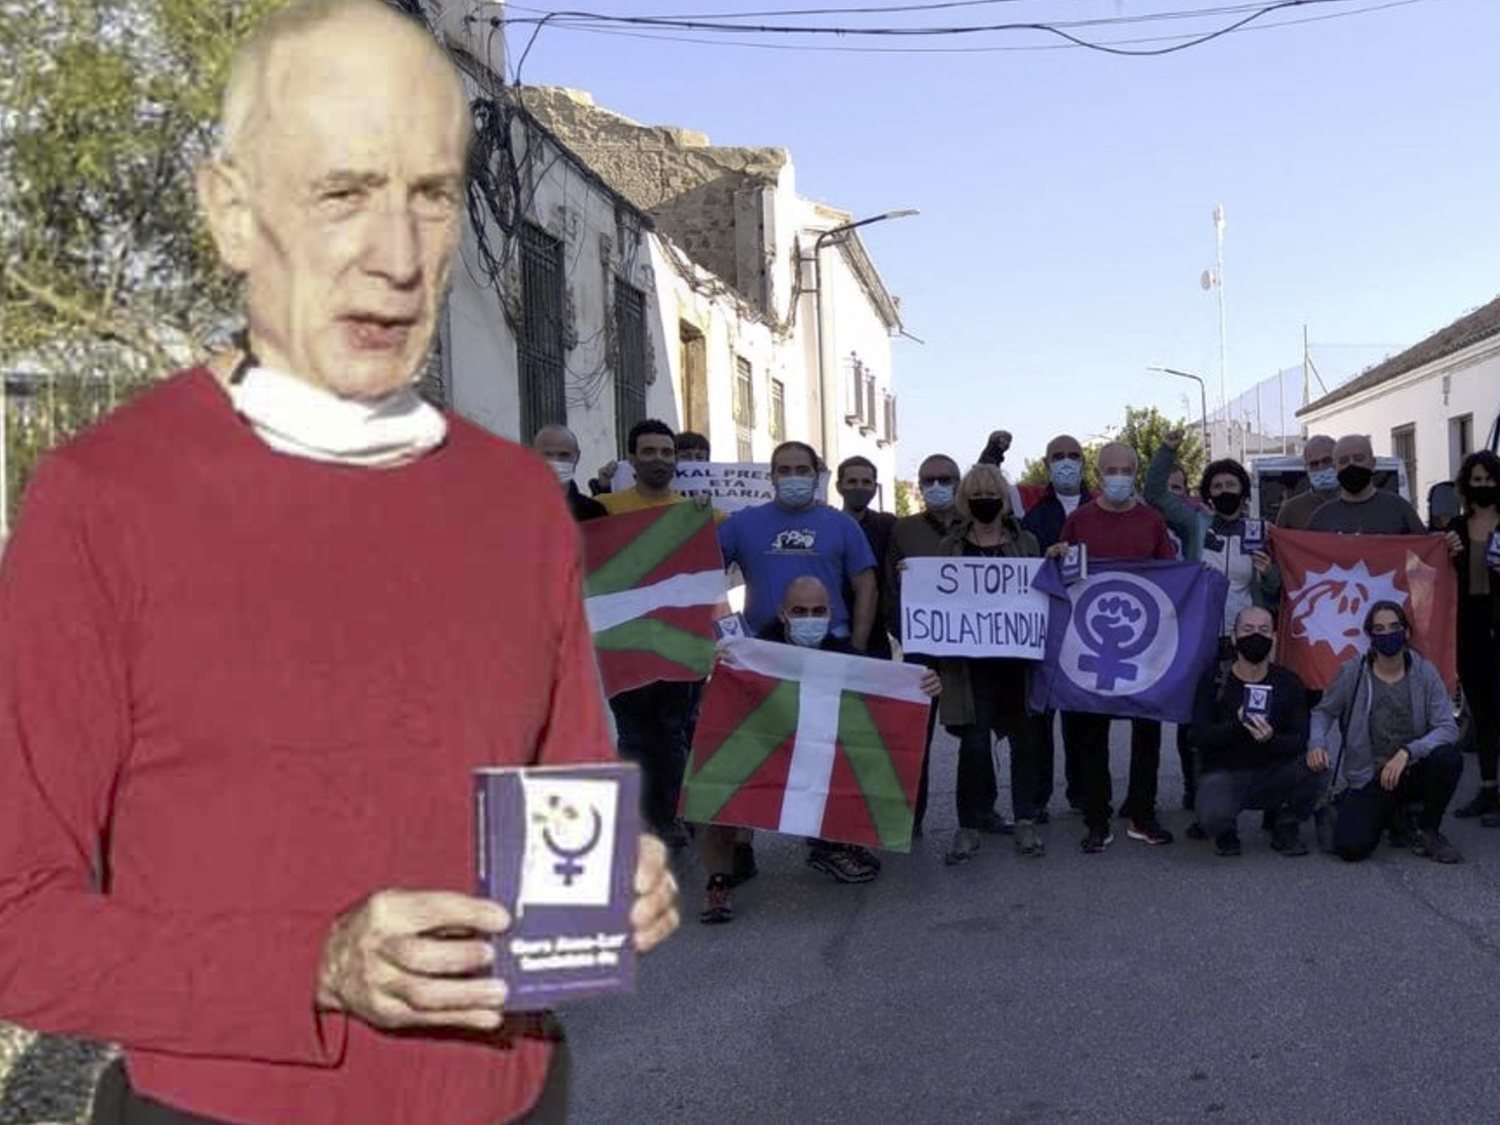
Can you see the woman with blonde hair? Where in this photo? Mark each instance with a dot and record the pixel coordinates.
(986, 697)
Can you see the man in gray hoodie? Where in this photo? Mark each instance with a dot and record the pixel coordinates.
(1400, 742)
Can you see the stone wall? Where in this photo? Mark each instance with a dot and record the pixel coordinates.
(687, 185)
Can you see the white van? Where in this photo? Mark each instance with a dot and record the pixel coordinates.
(1274, 479)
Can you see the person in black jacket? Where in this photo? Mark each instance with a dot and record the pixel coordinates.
(559, 448)
(1254, 760)
(1469, 535)
(857, 485)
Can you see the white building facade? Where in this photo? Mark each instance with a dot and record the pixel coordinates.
(1430, 405)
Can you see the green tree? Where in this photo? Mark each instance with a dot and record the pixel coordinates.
(1143, 431)
(106, 273)
(906, 498)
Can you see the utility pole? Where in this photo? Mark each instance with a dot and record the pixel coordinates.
(1223, 338)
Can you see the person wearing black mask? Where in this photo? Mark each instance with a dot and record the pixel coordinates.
(1360, 507)
(857, 483)
(1399, 744)
(994, 453)
(985, 698)
(1252, 755)
(1474, 537)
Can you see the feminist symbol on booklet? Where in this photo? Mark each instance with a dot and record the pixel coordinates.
(569, 835)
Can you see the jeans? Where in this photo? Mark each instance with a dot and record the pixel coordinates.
(1288, 790)
(1363, 813)
(655, 730)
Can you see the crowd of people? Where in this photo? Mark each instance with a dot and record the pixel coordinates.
(1375, 754)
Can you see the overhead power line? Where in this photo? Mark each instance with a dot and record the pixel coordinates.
(664, 31)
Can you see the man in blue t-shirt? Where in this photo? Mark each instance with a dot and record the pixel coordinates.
(793, 537)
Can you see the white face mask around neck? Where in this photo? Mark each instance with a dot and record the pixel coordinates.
(299, 419)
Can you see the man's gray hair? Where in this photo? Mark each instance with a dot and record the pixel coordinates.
(245, 94)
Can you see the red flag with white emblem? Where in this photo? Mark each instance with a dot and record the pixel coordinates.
(1329, 582)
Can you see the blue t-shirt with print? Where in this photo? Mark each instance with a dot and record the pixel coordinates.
(774, 546)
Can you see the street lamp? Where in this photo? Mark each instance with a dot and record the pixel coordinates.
(1202, 396)
(817, 263)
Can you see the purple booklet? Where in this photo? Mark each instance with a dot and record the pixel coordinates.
(556, 846)
(1492, 549)
(1253, 538)
(1257, 700)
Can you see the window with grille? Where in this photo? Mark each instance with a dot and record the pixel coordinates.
(744, 406)
(778, 411)
(630, 370)
(867, 415)
(539, 346)
(890, 419)
(1404, 446)
(856, 412)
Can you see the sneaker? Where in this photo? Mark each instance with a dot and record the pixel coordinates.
(1148, 832)
(994, 824)
(864, 855)
(1096, 841)
(965, 847)
(1029, 840)
(1287, 839)
(743, 868)
(1195, 831)
(717, 907)
(1435, 846)
(838, 863)
(1485, 801)
(1227, 843)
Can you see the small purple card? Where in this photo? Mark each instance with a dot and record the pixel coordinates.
(557, 847)
(1257, 700)
(1253, 538)
(731, 626)
(1075, 564)
(1492, 549)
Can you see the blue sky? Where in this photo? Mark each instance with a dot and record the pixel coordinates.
(1067, 196)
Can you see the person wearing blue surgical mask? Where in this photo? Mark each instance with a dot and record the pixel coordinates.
(918, 537)
(1116, 525)
(795, 535)
(1296, 512)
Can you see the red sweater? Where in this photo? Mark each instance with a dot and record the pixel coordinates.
(255, 685)
(1137, 533)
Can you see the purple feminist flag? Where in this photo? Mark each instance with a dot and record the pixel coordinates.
(1132, 640)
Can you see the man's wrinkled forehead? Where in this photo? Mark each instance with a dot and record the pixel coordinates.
(362, 93)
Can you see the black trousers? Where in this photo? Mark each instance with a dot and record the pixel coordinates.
(1479, 672)
(115, 1103)
(655, 728)
(976, 790)
(1288, 790)
(1363, 813)
(1087, 737)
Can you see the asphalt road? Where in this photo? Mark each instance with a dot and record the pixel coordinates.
(1142, 985)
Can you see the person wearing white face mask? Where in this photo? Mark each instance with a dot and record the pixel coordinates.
(1116, 525)
(916, 537)
(257, 629)
(1045, 519)
(1296, 512)
(559, 448)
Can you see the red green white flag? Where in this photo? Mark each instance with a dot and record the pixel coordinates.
(809, 743)
(654, 585)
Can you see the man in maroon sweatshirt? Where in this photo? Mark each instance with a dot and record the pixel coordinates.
(1116, 524)
(257, 628)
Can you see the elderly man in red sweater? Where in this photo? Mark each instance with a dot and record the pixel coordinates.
(257, 628)
(1116, 524)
